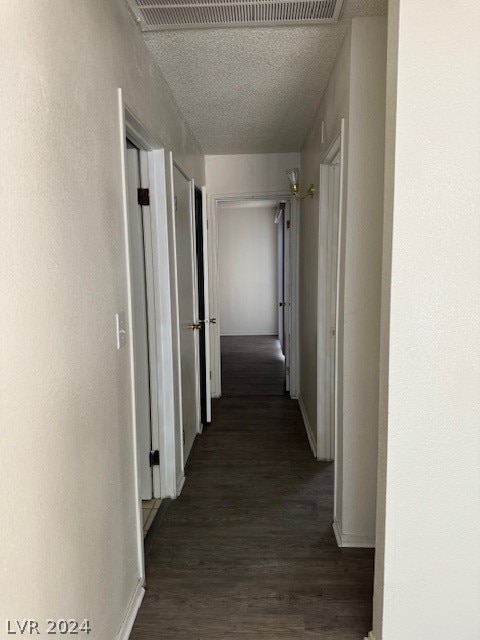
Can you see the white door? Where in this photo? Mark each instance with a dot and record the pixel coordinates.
(281, 277)
(188, 316)
(208, 320)
(140, 326)
(332, 289)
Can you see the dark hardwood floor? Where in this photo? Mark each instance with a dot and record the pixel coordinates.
(247, 551)
(252, 365)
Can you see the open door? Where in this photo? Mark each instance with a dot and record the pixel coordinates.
(332, 292)
(203, 307)
(140, 319)
(206, 278)
(189, 325)
(279, 221)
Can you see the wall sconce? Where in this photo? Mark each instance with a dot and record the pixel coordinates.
(294, 180)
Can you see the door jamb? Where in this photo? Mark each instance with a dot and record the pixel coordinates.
(213, 201)
(327, 437)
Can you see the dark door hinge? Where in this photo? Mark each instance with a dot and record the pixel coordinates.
(288, 224)
(155, 458)
(184, 436)
(143, 197)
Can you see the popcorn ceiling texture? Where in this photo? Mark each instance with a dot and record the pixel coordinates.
(252, 90)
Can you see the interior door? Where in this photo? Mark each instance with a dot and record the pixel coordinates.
(189, 324)
(332, 287)
(204, 331)
(208, 320)
(281, 274)
(140, 326)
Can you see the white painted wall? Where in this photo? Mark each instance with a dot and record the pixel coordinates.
(249, 174)
(334, 107)
(247, 269)
(69, 541)
(238, 175)
(428, 553)
(356, 92)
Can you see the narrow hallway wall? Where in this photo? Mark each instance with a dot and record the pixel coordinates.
(356, 92)
(427, 566)
(69, 541)
(247, 265)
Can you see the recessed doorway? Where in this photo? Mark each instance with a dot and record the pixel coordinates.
(253, 294)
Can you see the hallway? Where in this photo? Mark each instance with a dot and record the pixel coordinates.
(247, 550)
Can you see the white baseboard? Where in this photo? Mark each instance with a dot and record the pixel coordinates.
(310, 435)
(180, 483)
(352, 540)
(133, 607)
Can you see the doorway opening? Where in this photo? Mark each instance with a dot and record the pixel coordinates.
(138, 205)
(253, 295)
(146, 324)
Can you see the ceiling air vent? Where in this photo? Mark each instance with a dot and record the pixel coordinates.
(157, 15)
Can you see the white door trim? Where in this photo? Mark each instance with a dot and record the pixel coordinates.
(213, 201)
(326, 433)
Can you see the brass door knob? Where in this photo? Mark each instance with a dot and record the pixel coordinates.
(195, 326)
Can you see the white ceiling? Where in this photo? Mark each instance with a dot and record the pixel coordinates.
(252, 90)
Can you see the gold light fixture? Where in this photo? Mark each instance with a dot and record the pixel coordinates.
(294, 180)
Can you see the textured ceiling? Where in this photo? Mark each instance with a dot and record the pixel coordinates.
(252, 90)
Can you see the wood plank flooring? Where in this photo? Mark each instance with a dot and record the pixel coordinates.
(252, 365)
(247, 551)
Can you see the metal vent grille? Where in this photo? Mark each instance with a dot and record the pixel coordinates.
(157, 15)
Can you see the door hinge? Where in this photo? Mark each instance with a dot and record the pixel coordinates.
(210, 375)
(155, 458)
(183, 436)
(143, 197)
(333, 331)
(175, 200)
(288, 371)
(289, 224)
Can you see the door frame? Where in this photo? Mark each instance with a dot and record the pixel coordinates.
(327, 433)
(212, 211)
(164, 414)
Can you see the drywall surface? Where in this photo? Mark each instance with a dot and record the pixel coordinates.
(247, 269)
(357, 93)
(68, 547)
(362, 279)
(430, 484)
(249, 174)
(333, 108)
